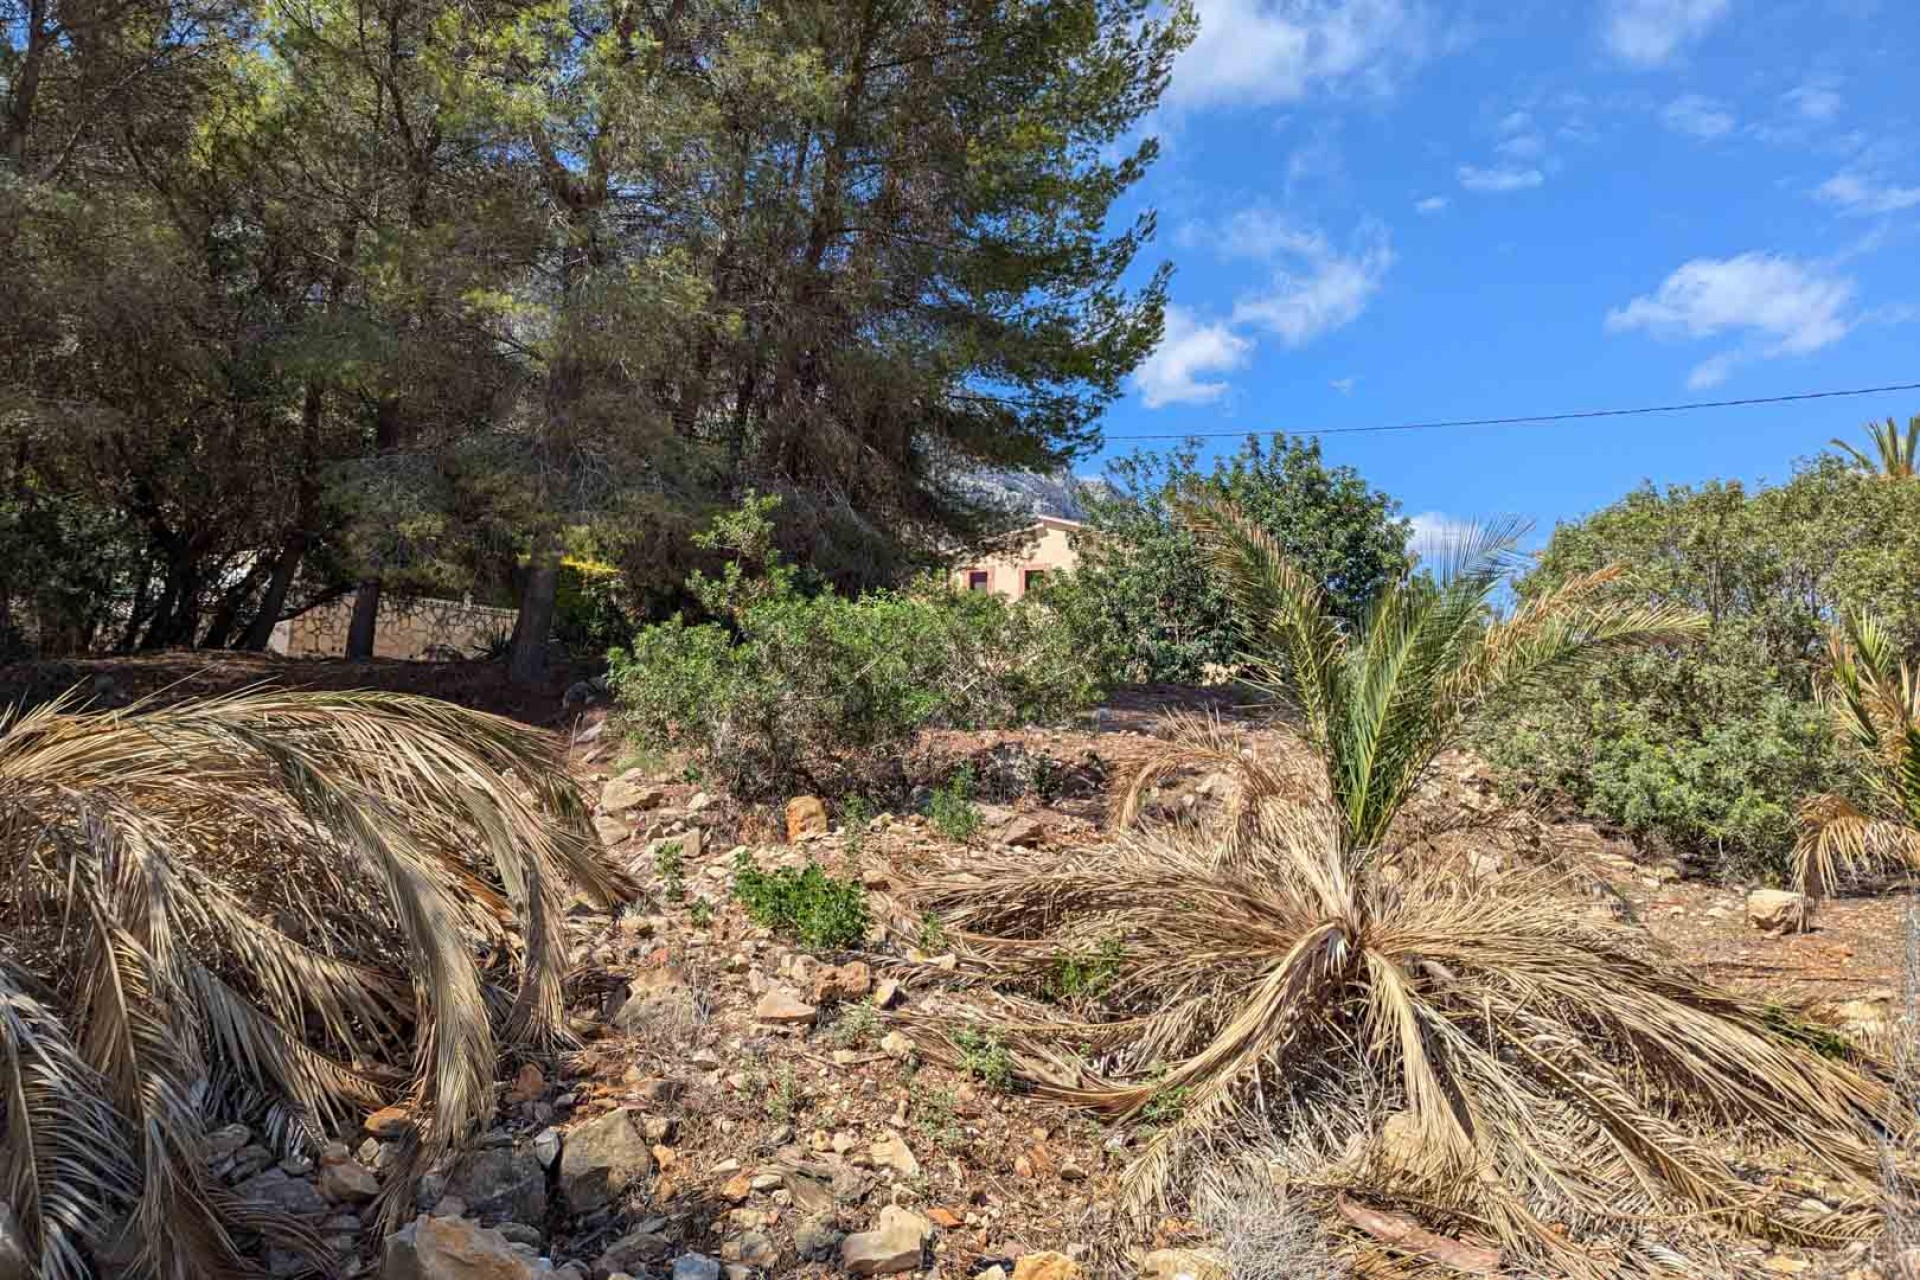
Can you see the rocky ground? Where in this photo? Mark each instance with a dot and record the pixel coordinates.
(746, 1107)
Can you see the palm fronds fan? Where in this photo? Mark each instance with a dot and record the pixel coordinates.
(308, 904)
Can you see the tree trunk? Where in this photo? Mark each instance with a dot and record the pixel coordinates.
(538, 600)
(227, 612)
(360, 628)
(18, 121)
(285, 566)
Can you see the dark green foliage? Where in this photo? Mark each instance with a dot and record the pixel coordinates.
(952, 810)
(1080, 973)
(1710, 749)
(985, 1058)
(805, 903)
(791, 690)
(1142, 602)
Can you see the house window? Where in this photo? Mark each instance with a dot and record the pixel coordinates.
(1031, 579)
(976, 579)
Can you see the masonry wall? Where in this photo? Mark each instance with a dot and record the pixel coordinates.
(420, 630)
(1008, 575)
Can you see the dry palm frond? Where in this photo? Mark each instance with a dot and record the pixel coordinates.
(306, 899)
(1489, 1059)
(1874, 699)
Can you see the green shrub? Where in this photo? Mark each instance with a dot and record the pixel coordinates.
(1077, 973)
(671, 867)
(1709, 750)
(854, 816)
(805, 903)
(788, 690)
(952, 810)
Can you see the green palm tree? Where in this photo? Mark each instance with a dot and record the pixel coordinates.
(1893, 449)
(1319, 988)
(1875, 701)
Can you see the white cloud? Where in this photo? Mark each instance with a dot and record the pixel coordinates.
(1499, 178)
(1856, 194)
(1344, 385)
(1697, 116)
(1436, 534)
(1431, 204)
(1522, 146)
(1189, 350)
(1316, 288)
(1651, 32)
(1780, 306)
(1267, 51)
(1813, 101)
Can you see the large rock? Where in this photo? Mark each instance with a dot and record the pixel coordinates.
(696, 1266)
(632, 1253)
(452, 1249)
(603, 1159)
(890, 1151)
(1776, 910)
(501, 1184)
(850, 981)
(348, 1182)
(631, 792)
(806, 817)
(784, 1008)
(278, 1189)
(897, 1244)
(14, 1263)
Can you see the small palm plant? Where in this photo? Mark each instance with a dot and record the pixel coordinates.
(280, 907)
(1875, 701)
(1894, 450)
(1311, 987)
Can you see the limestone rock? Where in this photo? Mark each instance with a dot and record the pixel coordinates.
(631, 792)
(897, 1244)
(389, 1124)
(348, 1182)
(806, 816)
(658, 998)
(1022, 831)
(632, 1253)
(451, 1249)
(1182, 1264)
(1046, 1266)
(695, 1266)
(290, 1195)
(603, 1159)
(891, 1151)
(817, 1237)
(501, 1184)
(1776, 910)
(850, 981)
(784, 1008)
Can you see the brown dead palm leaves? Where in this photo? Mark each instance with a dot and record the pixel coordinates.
(1490, 1058)
(287, 907)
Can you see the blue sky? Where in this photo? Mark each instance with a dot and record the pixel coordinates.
(1393, 210)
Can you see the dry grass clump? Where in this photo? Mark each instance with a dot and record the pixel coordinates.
(1484, 1058)
(279, 906)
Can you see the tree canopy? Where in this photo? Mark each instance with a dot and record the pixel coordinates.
(352, 295)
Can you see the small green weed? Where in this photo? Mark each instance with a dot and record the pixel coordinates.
(983, 1057)
(933, 933)
(936, 1115)
(1079, 974)
(1824, 1041)
(701, 912)
(855, 1025)
(670, 865)
(854, 816)
(952, 810)
(819, 910)
(782, 1099)
(1165, 1107)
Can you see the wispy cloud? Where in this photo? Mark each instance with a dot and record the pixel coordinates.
(1316, 287)
(1178, 370)
(1344, 385)
(1649, 33)
(1814, 100)
(1430, 204)
(1858, 194)
(1697, 116)
(1781, 306)
(1436, 535)
(1268, 51)
(1499, 178)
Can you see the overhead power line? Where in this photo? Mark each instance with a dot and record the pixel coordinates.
(1532, 419)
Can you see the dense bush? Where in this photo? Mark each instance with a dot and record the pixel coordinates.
(1711, 754)
(803, 902)
(788, 689)
(1141, 602)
